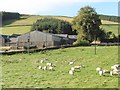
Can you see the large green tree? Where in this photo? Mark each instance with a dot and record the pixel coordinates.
(87, 24)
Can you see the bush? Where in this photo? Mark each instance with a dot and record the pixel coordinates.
(81, 43)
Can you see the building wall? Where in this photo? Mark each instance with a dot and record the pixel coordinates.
(2, 41)
(37, 38)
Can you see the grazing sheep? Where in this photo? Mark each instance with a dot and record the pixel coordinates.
(50, 68)
(70, 63)
(98, 69)
(49, 64)
(71, 72)
(44, 68)
(40, 67)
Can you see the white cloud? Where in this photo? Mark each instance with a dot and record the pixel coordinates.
(42, 6)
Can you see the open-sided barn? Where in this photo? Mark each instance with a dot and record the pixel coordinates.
(41, 39)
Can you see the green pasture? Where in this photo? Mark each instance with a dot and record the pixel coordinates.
(110, 27)
(21, 70)
(15, 30)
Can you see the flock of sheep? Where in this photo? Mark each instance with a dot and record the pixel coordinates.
(114, 70)
(50, 66)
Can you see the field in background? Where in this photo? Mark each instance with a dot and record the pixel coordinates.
(13, 26)
(21, 70)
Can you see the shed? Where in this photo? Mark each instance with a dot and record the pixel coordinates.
(40, 39)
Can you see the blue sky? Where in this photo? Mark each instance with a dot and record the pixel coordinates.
(58, 7)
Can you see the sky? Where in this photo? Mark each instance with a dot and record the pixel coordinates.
(58, 7)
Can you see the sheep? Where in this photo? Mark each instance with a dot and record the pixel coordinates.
(71, 72)
(98, 69)
(41, 61)
(72, 68)
(50, 68)
(114, 72)
(77, 67)
(49, 64)
(44, 68)
(70, 63)
(101, 72)
(106, 71)
(40, 67)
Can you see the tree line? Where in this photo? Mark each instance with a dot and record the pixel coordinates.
(9, 15)
(109, 18)
(52, 25)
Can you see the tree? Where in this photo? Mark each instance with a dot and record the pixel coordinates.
(53, 25)
(87, 24)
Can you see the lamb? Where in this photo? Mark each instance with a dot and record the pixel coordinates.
(71, 72)
(102, 72)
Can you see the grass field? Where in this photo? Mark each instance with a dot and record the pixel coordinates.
(29, 20)
(21, 70)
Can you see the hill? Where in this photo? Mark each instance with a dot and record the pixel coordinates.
(23, 25)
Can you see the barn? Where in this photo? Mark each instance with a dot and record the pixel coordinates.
(41, 39)
(3, 39)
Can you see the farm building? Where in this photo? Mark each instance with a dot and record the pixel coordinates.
(41, 39)
(2, 40)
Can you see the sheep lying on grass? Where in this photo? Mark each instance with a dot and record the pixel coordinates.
(115, 70)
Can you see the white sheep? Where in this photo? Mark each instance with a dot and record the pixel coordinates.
(44, 68)
(71, 72)
(70, 63)
(77, 67)
(50, 68)
(49, 64)
(98, 69)
(101, 72)
(114, 72)
(40, 67)
(72, 68)
(41, 61)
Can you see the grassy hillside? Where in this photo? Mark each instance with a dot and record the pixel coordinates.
(30, 19)
(21, 70)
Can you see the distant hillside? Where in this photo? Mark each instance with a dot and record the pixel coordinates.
(24, 23)
(109, 18)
